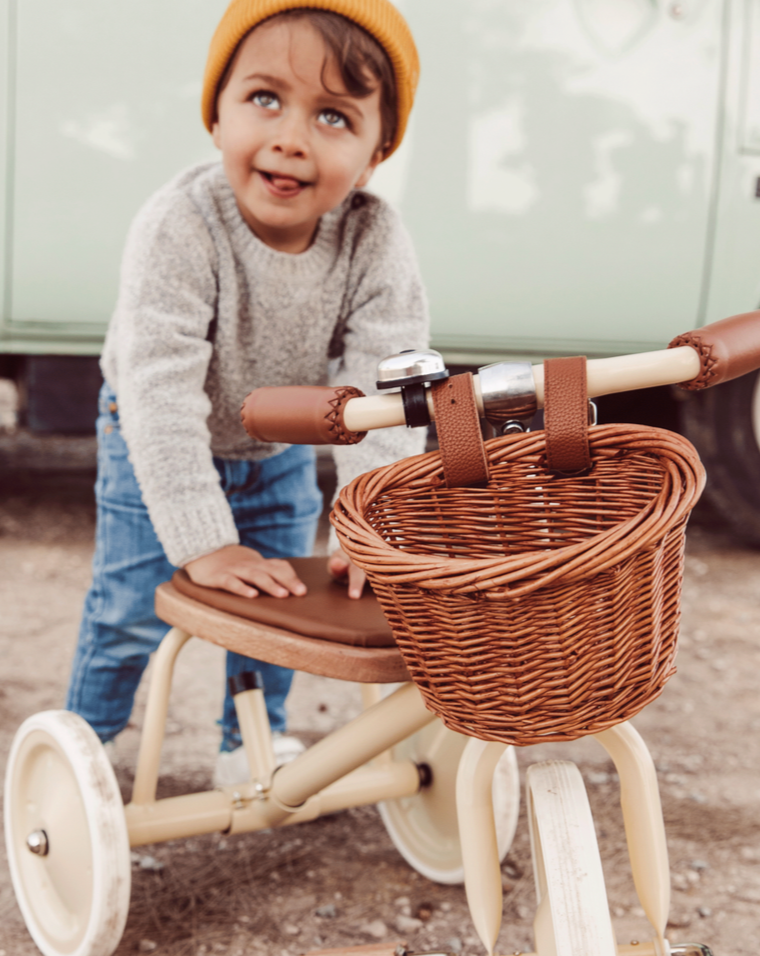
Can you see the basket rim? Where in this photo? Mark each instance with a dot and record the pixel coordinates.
(499, 576)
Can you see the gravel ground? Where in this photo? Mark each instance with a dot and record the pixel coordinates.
(339, 881)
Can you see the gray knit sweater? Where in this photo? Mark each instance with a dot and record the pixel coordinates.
(206, 312)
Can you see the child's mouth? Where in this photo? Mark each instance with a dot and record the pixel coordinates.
(281, 185)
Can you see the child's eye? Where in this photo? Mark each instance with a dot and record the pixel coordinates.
(266, 100)
(334, 119)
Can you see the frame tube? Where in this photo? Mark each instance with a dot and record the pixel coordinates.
(152, 738)
(644, 826)
(373, 731)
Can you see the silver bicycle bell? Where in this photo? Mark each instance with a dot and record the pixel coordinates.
(411, 371)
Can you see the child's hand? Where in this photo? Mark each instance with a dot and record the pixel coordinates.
(341, 568)
(243, 571)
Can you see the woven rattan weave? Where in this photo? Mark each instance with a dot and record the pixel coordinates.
(539, 607)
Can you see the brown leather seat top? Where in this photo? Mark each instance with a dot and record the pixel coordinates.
(325, 612)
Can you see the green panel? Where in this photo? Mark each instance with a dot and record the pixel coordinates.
(107, 110)
(735, 279)
(6, 73)
(558, 174)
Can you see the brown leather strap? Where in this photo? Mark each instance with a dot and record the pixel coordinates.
(458, 425)
(566, 414)
(726, 349)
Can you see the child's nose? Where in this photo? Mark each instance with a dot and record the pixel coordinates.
(291, 137)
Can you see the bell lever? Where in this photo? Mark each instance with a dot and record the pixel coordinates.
(412, 370)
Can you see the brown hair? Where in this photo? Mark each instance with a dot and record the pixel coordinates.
(361, 61)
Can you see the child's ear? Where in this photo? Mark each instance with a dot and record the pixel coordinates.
(372, 165)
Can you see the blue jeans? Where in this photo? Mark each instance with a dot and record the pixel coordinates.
(276, 505)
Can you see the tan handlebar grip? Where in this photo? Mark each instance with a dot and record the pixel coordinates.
(727, 349)
(299, 414)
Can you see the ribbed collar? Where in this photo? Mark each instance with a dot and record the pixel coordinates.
(313, 262)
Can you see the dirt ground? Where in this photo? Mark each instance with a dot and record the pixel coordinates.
(339, 881)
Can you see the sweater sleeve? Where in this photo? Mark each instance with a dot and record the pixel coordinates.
(387, 312)
(156, 358)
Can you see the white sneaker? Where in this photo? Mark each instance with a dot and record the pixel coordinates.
(110, 748)
(232, 765)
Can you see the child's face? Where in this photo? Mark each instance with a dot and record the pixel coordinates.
(291, 150)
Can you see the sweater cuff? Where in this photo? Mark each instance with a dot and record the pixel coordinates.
(188, 532)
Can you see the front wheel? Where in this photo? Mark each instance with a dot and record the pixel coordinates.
(723, 423)
(424, 827)
(66, 837)
(573, 918)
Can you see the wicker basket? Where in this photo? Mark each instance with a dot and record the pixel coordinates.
(539, 607)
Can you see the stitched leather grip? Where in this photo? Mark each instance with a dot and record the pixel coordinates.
(727, 349)
(566, 414)
(299, 414)
(458, 425)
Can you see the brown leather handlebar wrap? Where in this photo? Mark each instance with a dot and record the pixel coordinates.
(727, 349)
(300, 414)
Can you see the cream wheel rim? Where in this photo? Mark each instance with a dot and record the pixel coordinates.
(424, 827)
(73, 889)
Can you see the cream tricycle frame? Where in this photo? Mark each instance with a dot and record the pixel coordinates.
(448, 800)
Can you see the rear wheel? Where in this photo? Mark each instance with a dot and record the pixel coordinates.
(424, 827)
(66, 837)
(723, 423)
(573, 918)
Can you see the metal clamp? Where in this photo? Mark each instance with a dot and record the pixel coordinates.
(509, 395)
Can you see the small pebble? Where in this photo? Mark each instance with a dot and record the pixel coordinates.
(453, 945)
(699, 865)
(147, 946)
(328, 911)
(704, 911)
(221, 845)
(151, 863)
(291, 929)
(376, 929)
(679, 920)
(446, 907)
(597, 777)
(618, 911)
(408, 924)
(424, 911)
(401, 901)
(523, 912)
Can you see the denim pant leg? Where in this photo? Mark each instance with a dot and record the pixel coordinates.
(119, 628)
(276, 504)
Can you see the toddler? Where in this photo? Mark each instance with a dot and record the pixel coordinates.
(272, 267)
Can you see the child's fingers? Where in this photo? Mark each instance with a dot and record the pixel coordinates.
(234, 585)
(275, 577)
(356, 579)
(338, 565)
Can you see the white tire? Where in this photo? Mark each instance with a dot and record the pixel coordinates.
(424, 827)
(61, 793)
(573, 918)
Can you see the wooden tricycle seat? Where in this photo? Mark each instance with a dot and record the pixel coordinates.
(323, 633)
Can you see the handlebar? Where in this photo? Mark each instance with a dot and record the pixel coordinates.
(321, 415)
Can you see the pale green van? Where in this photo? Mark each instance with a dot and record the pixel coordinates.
(579, 176)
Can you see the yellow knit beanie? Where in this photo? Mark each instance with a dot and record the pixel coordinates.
(379, 18)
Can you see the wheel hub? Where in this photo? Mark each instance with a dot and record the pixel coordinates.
(37, 843)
